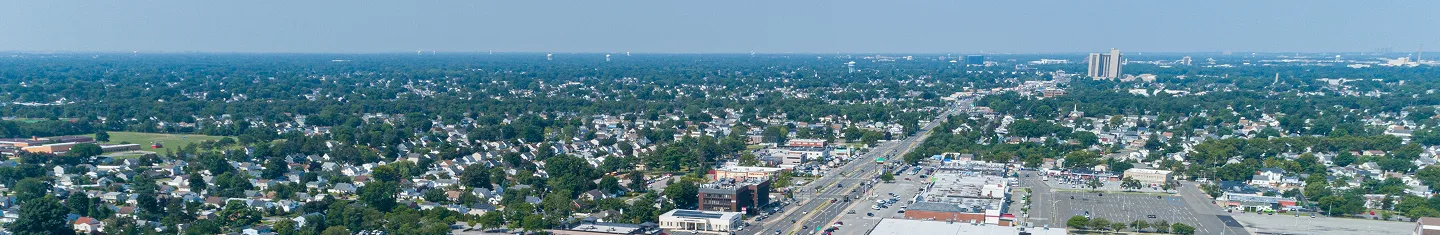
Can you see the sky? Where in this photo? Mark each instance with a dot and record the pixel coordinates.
(676, 26)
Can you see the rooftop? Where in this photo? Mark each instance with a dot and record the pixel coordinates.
(694, 214)
(950, 185)
(732, 183)
(614, 228)
(931, 227)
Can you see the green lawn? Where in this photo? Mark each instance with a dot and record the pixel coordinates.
(168, 140)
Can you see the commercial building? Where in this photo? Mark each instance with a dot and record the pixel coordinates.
(806, 143)
(59, 148)
(59, 144)
(735, 195)
(974, 60)
(598, 228)
(56, 148)
(733, 172)
(1104, 66)
(794, 156)
(1149, 177)
(712, 222)
(36, 141)
(930, 227)
(963, 196)
(1252, 202)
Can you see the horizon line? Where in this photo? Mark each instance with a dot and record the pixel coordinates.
(433, 52)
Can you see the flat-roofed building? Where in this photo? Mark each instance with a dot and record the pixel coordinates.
(57, 148)
(933, 227)
(734, 172)
(806, 143)
(794, 156)
(1427, 226)
(711, 222)
(1149, 177)
(36, 141)
(599, 228)
(735, 195)
(963, 195)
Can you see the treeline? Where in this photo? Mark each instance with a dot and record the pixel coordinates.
(45, 128)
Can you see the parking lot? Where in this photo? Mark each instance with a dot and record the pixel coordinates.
(1052, 209)
(859, 223)
(1126, 208)
(1291, 224)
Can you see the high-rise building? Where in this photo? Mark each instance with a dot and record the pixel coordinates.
(1104, 66)
(1185, 61)
(974, 60)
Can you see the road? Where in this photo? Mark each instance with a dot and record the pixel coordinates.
(818, 211)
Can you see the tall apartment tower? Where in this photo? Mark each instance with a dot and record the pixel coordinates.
(1104, 66)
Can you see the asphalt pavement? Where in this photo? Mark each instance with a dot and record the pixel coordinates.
(818, 211)
(1190, 206)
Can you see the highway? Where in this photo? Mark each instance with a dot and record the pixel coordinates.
(818, 211)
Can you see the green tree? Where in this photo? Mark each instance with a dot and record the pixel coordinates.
(1182, 229)
(1430, 176)
(1077, 222)
(31, 188)
(336, 230)
(1081, 159)
(436, 195)
(476, 176)
(1161, 226)
(196, 182)
(571, 173)
(887, 177)
(534, 222)
(232, 185)
(285, 227)
(1422, 211)
(637, 181)
(775, 134)
(275, 168)
(1094, 184)
(102, 136)
(1130, 183)
(1117, 226)
(683, 193)
(237, 214)
(41, 216)
(748, 159)
(609, 184)
(385, 173)
(491, 220)
(78, 203)
(1099, 224)
(1344, 159)
(85, 150)
(203, 227)
(1139, 225)
(379, 194)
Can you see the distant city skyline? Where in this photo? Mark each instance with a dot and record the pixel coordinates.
(652, 26)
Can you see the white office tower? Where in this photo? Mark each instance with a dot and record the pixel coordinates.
(1104, 66)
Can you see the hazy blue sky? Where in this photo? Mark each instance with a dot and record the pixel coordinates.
(717, 26)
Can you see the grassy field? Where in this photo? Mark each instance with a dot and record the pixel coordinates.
(168, 140)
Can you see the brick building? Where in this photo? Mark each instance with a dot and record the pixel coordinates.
(735, 195)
